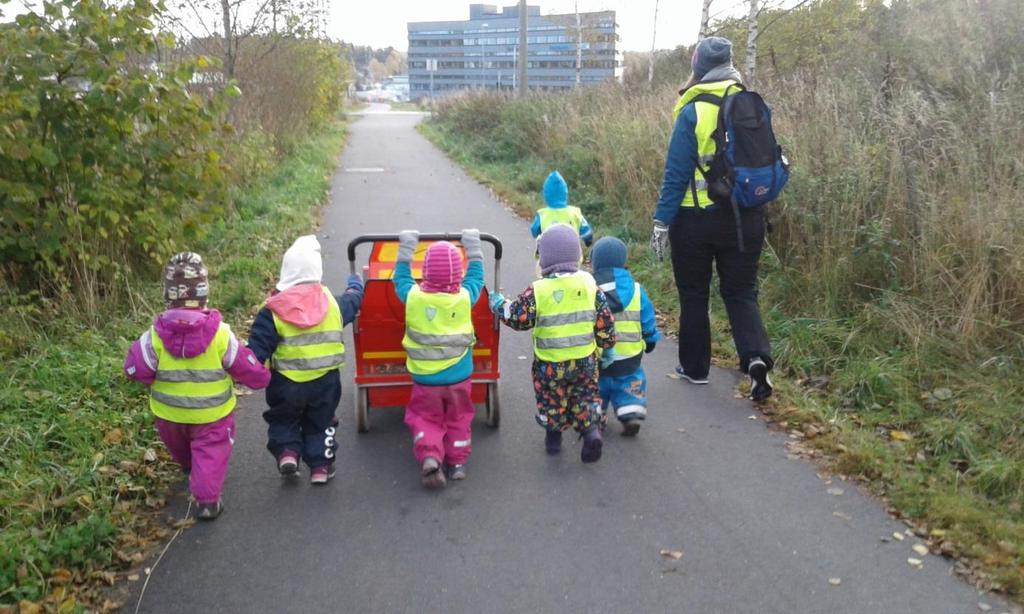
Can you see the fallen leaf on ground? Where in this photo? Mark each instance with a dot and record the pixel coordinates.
(938, 532)
(113, 436)
(842, 515)
(680, 430)
(521, 357)
(675, 555)
(899, 435)
(835, 492)
(28, 607)
(673, 376)
(915, 562)
(751, 417)
(183, 523)
(984, 607)
(133, 577)
(61, 576)
(149, 455)
(920, 549)
(942, 394)
(898, 536)
(835, 581)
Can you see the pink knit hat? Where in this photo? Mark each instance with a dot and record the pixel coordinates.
(442, 268)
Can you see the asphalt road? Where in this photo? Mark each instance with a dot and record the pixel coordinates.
(527, 532)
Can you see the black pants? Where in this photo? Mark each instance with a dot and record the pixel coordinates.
(700, 238)
(301, 417)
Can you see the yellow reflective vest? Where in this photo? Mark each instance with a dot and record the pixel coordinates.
(629, 339)
(570, 215)
(707, 121)
(193, 390)
(564, 329)
(304, 354)
(438, 330)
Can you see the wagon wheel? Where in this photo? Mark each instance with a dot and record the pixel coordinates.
(493, 405)
(362, 409)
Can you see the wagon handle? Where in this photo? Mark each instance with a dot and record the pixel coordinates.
(445, 236)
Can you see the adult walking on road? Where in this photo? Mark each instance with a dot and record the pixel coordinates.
(702, 233)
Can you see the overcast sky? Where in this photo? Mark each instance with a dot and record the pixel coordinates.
(382, 22)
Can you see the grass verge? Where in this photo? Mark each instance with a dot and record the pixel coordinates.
(82, 472)
(929, 423)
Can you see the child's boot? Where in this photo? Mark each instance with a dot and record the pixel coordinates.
(320, 475)
(288, 462)
(456, 472)
(592, 443)
(431, 473)
(552, 442)
(210, 511)
(630, 428)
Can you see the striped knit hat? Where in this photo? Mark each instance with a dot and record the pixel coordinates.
(442, 268)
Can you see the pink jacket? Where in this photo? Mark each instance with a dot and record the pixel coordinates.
(187, 333)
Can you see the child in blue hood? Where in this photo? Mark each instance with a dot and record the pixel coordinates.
(558, 211)
(623, 383)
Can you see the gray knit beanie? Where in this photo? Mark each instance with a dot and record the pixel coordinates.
(711, 52)
(608, 253)
(560, 251)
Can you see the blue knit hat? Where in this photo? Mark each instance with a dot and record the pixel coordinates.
(608, 253)
(560, 251)
(711, 52)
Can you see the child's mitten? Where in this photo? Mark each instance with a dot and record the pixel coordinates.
(471, 241)
(407, 241)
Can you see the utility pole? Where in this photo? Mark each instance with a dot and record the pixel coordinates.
(523, 50)
(654, 39)
(579, 44)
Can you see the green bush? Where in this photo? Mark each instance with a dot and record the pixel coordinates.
(106, 157)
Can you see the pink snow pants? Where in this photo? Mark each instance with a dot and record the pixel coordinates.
(440, 419)
(202, 449)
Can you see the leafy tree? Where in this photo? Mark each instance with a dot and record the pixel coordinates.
(107, 159)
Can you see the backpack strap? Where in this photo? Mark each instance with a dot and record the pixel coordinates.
(710, 98)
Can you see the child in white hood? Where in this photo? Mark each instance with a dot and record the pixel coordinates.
(299, 330)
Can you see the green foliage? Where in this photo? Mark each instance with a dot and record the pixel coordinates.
(106, 157)
(77, 487)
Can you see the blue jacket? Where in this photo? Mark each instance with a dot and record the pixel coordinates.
(473, 282)
(679, 165)
(618, 286)
(556, 195)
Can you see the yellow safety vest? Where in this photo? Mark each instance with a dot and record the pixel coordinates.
(438, 330)
(304, 354)
(565, 317)
(629, 340)
(564, 215)
(193, 390)
(707, 121)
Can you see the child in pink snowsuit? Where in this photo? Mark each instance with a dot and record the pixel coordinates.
(189, 360)
(438, 342)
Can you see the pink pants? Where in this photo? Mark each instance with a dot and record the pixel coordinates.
(440, 419)
(203, 450)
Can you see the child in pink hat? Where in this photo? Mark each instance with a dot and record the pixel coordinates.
(438, 342)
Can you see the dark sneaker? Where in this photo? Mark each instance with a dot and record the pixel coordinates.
(456, 472)
(553, 442)
(210, 511)
(592, 443)
(760, 383)
(431, 473)
(288, 462)
(320, 475)
(693, 380)
(630, 428)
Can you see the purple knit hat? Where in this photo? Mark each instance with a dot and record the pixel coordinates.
(560, 251)
(442, 268)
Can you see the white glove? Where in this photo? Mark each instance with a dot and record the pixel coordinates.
(659, 240)
(407, 242)
(471, 241)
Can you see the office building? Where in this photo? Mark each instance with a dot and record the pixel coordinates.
(448, 56)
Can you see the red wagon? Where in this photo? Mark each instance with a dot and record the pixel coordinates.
(381, 378)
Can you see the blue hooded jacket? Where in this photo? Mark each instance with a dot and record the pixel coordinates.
(618, 286)
(556, 195)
